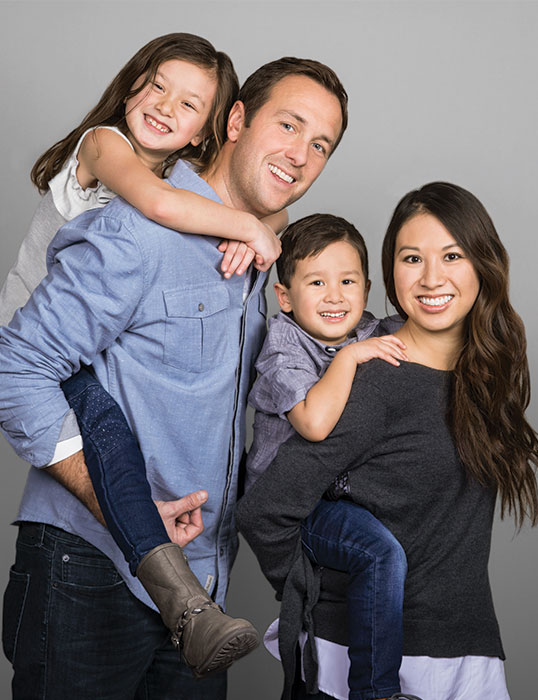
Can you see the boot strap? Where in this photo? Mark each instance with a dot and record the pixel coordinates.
(187, 616)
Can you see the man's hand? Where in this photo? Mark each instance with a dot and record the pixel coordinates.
(183, 518)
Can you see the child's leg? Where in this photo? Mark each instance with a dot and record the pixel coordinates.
(343, 536)
(117, 469)
(209, 639)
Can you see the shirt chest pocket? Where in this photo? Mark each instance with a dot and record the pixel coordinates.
(197, 331)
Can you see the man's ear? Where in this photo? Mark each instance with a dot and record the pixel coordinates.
(282, 296)
(236, 121)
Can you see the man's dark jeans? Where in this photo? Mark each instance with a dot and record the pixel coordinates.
(73, 631)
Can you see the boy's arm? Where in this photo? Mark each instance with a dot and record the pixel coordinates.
(105, 156)
(315, 417)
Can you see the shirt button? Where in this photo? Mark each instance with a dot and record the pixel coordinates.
(221, 551)
(331, 349)
(200, 307)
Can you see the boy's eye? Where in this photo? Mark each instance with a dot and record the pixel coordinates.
(348, 281)
(317, 283)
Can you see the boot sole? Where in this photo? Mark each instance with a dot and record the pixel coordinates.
(239, 644)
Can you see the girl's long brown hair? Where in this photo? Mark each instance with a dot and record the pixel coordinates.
(110, 110)
(490, 383)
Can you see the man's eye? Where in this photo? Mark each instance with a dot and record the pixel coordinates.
(286, 126)
(319, 148)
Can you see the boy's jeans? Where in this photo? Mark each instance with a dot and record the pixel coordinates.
(116, 467)
(73, 631)
(343, 536)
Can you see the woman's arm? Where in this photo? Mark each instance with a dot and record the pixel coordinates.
(315, 417)
(106, 157)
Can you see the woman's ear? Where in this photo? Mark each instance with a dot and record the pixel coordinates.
(282, 297)
(236, 121)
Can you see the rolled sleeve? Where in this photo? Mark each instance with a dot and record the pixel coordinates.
(88, 298)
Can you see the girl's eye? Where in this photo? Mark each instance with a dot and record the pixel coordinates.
(158, 86)
(189, 105)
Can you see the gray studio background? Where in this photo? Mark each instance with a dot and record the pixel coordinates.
(438, 90)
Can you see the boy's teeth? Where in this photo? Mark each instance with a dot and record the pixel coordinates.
(435, 301)
(330, 314)
(281, 174)
(156, 124)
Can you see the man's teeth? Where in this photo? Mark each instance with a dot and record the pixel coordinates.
(331, 314)
(435, 301)
(156, 124)
(281, 174)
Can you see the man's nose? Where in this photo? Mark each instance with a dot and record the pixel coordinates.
(297, 152)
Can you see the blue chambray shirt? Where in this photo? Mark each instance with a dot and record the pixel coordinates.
(171, 340)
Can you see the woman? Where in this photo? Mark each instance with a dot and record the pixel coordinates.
(429, 446)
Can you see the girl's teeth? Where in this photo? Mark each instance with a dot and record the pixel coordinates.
(161, 127)
(281, 174)
(435, 301)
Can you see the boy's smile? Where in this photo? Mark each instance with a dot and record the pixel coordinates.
(327, 294)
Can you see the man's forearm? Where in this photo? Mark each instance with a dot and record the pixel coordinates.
(73, 474)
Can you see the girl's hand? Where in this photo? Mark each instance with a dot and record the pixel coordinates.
(237, 257)
(267, 246)
(387, 347)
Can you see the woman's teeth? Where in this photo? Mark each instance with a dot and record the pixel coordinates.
(436, 301)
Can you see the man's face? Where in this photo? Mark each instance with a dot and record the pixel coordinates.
(276, 159)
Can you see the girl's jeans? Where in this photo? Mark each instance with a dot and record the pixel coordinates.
(116, 467)
(343, 536)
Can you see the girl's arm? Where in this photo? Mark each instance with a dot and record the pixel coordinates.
(315, 417)
(105, 156)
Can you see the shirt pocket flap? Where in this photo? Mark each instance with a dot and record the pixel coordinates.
(196, 302)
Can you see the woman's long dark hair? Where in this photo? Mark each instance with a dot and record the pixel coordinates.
(490, 382)
(110, 110)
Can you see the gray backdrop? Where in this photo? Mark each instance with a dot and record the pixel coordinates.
(438, 90)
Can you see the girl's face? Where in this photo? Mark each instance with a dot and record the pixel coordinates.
(435, 283)
(171, 111)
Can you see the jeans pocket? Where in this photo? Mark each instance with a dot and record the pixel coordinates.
(14, 601)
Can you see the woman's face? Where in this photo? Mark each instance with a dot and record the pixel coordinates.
(435, 283)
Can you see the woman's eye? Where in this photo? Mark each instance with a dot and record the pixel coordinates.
(453, 256)
(412, 259)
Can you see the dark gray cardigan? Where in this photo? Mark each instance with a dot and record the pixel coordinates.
(394, 440)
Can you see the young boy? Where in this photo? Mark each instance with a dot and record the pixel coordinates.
(305, 372)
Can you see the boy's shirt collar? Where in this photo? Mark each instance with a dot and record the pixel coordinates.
(364, 329)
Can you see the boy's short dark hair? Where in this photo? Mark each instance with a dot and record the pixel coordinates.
(312, 234)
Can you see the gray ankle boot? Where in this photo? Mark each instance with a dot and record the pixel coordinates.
(209, 639)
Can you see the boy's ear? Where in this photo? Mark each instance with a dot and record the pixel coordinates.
(236, 121)
(282, 297)
(367, 291)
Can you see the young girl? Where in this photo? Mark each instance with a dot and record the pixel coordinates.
(169, 101)
(428, 447)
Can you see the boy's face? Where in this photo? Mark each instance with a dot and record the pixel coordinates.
(327, 293)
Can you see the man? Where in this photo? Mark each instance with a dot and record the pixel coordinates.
(174, 343)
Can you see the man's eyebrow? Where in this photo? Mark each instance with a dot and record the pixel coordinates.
(302, 120)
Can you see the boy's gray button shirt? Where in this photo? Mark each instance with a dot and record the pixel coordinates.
(289, 365)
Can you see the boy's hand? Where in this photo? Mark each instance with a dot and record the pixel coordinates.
(387, 347)
(267, 246)
(183, 518)
(237, 257)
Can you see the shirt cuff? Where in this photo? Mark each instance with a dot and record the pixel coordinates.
(65, 449)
